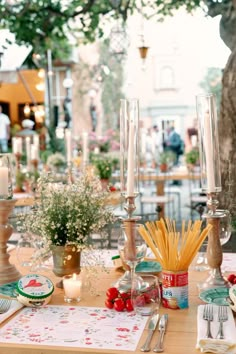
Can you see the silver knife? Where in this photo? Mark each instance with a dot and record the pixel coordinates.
(151, 328)
(162, 328)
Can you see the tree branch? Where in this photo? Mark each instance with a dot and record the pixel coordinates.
(216, 8)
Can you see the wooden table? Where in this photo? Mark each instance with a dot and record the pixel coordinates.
(161, 178)
(181, 332)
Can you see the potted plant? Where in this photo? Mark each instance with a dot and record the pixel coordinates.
(19, 181)
(64, 217)
(104, 165)
(166, 159)
(192, 158)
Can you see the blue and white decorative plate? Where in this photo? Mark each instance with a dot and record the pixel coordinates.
(148, 267)
(216, 296)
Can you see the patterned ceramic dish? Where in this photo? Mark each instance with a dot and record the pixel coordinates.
(216, 296)
(148, 267)
(34, 290)
(232, 295)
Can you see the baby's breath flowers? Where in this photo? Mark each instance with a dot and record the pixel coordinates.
(68, 213)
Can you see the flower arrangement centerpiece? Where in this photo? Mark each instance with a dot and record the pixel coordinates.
(103, 165)
(56, 161)
(108, 142)
(66, 214)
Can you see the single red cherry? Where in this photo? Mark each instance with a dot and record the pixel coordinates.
(125, 296)
(112, 293)
(119, 304)
(231, 278)
(128, 305)
(109, 304)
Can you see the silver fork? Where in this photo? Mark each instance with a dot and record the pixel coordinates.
(222, 317)
(5, 304)
(208, 316)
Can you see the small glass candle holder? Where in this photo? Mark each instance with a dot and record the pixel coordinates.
(5, 177)
(72, 285)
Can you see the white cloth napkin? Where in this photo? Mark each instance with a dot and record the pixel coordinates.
(15, 306)
(227, 345)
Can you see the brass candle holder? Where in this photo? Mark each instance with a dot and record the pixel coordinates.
(8, 272)
(214, 249)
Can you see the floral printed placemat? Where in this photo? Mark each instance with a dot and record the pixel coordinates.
(74, 326)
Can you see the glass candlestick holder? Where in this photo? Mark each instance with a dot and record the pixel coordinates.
(132, 249)
(214, 250)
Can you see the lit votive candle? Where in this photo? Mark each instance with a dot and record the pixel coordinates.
(72, 288)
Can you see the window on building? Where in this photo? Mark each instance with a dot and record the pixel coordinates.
(167, 79)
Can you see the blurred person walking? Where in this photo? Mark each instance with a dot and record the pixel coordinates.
(174, 143)
(4, 131)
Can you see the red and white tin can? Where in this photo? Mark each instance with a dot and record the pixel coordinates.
(175, 289)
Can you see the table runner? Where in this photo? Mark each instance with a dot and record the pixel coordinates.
(74, 326)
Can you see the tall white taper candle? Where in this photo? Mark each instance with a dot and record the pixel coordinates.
(68, 145)
(130, 161)
(85, 147)
(3, 180)
(209, 154)
(27, 143)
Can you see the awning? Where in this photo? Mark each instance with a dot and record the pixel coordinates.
(12, 57)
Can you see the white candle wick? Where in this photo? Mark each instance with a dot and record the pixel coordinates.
(85, 147)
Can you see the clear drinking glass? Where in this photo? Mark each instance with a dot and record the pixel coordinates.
(146, 295)
(25, 250)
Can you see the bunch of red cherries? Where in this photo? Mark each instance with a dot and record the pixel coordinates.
(119, 301)
(232, 278)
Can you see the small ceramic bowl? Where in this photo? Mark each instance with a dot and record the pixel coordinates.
(34, 290)
(232, 295)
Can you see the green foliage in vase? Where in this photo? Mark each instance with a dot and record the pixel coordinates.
(20, 178)
(56, 160)
(103, 165)
(192, 156)
(68, 213)
(167, 157)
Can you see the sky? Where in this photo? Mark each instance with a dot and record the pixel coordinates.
(197, 35)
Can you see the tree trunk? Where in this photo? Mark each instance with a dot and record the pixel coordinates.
(227, 136)
(227, 122)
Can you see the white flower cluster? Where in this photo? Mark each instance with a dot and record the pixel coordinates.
(68, 213)
(56, 159)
